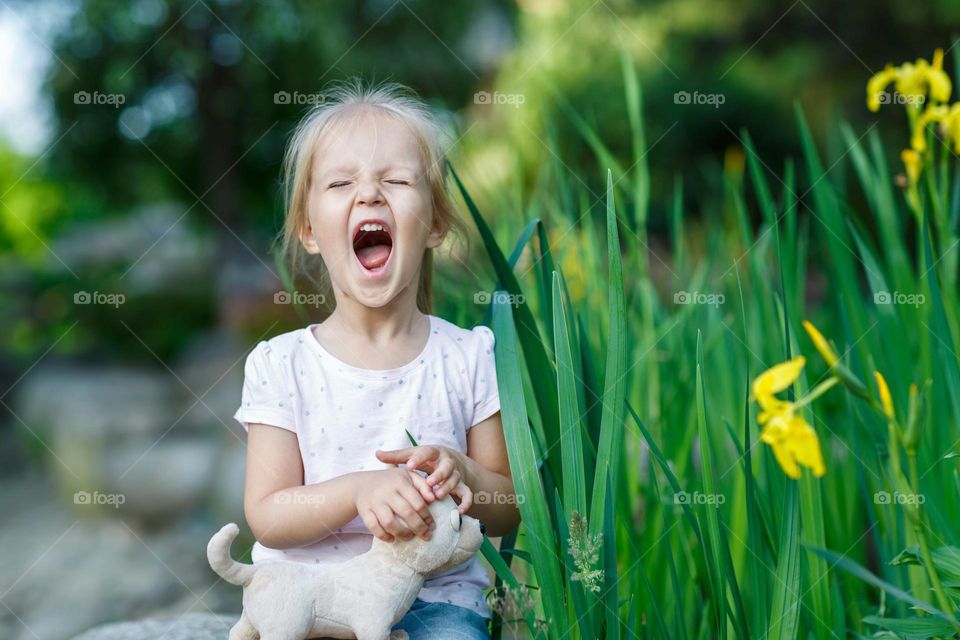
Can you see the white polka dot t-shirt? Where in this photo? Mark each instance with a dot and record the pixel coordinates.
(342, 414)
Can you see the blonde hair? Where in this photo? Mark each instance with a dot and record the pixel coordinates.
(339, 104)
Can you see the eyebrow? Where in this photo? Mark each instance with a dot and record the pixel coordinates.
(351, 169)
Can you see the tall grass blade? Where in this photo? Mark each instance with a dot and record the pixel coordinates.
(614, 385)
(535, 354)
(523, 460)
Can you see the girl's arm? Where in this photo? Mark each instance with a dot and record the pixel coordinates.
(487, 469)
(283, 513)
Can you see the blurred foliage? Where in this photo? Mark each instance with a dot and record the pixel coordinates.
(762, 57)
(202, 85)
(28, 205)
(191, 103)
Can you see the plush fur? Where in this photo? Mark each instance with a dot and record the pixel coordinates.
(362, 597)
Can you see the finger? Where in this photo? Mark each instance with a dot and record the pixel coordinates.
(448, 485)
(423, 455)
(408, 506)
(419, 504)
(410, 523)
(393, 525)
(373, 525)
(466, 497)
(420, 483)
(394, 456)
(441, 473)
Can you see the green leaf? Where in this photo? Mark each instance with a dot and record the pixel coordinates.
(614, 385)
(545, 269)
(714, 563)
(828, 212)
(523, 462)
(785, 611)
(571, 431)
(946, 559)
(538, 362)
(610, 574)
(854, 569)
(760, 184)
(914, 627)
(641, 170)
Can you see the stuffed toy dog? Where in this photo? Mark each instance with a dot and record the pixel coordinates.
(362, 597)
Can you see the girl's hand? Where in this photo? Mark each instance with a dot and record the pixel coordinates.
(444, 466)
(384, 497)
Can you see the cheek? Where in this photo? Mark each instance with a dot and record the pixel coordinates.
(328, 206)
(328, 214)
(414, 212)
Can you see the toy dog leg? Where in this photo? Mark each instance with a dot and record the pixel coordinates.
(243, 630)
(385, 635)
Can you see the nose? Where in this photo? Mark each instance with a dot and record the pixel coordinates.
(483, 529)
(369, 194)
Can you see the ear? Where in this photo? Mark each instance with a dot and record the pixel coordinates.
(437, 232)
(306, 238)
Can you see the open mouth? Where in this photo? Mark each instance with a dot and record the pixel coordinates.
(372, 244)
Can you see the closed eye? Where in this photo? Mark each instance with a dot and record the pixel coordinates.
(403, 182)
(335, 185)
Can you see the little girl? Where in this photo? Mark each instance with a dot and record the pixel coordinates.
(327, 406)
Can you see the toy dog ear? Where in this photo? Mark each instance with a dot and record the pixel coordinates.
(455, 520)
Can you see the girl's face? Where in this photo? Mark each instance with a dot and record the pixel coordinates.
(370, 210)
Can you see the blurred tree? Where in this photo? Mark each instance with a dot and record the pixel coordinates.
(758, 57)
(192, 101)
(28, 206)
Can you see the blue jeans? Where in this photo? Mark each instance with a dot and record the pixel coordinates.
(442, 621)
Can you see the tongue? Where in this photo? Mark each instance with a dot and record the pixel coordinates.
(374, 256)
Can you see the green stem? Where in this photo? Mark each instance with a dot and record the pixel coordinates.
(895, 471)
(817, 391)
(921, 534)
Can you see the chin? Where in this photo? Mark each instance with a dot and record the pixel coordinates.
(374, 301)
(380, 292)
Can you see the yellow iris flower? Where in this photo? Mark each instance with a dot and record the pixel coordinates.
(911, 162)
(885, 398)
(794, 442)
(949, 117)
(919, 82)
(821, 344)
(915, 81)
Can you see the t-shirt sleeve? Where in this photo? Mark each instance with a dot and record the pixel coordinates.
(486, 395)
(265, 398)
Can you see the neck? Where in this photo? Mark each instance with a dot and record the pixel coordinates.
(397, 319)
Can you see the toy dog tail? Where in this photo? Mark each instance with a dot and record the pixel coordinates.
(218, 555)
